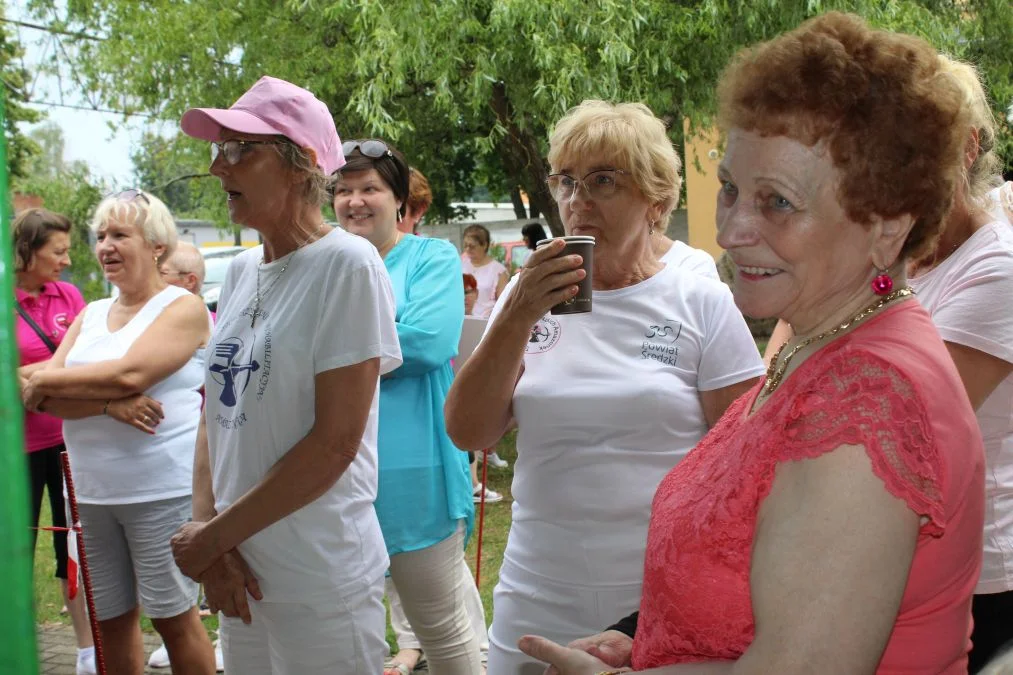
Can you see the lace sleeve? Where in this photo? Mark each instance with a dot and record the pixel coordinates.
(862, 399)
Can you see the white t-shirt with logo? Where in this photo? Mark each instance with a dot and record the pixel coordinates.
(689, 258)
(332, 307)
(112, 462)
(607, 404)
(970, 298)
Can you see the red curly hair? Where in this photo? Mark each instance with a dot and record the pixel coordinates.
(893, 123)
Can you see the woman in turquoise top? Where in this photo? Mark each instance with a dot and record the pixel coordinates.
(424, 499)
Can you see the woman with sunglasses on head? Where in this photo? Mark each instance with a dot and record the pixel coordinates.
(606, 402)
(126, 380)
(285, 471)
(424, 499)
(490, 273)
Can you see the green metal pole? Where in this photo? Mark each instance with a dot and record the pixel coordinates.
(18, 653)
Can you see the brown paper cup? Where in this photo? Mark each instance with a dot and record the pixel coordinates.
(584, 247)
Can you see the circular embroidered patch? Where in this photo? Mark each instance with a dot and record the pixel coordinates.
(544, 335)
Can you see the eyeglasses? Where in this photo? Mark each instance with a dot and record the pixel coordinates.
(234, 150)
(369, 148)
(130, 195)
(597, 184)
(171, 273)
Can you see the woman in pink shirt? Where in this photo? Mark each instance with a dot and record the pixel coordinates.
(958, 283)
(45, 308)
(491, 275)
(831, 521)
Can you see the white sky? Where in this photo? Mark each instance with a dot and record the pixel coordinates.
(87, 133)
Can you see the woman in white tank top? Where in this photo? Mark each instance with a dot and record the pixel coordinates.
(127, 381)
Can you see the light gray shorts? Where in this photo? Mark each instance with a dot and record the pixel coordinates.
(130, 559)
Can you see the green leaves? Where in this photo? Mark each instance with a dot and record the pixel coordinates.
(470, 89)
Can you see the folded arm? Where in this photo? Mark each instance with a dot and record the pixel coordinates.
(160, 351)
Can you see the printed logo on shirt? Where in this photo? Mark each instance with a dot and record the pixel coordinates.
(544, 336)
(659, 344)
(232, 367)
(62, 322)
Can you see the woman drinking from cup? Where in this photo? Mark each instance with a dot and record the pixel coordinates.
(611, 397)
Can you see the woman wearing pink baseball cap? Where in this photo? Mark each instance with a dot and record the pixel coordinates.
(285, 473)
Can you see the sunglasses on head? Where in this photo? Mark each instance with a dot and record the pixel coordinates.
(371, 148)
(130, 195)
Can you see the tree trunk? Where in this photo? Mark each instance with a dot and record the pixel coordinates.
(515, 197)
(237, 235)
(523, 160)
(533, 211)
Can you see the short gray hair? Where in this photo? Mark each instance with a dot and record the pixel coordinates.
(188, 257)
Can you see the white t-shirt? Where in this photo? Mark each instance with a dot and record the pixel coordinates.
(970, 296)
(689, 258)
(332, 307)
(114, 463)
(1001, 203)
(487, 277)
(607, 404)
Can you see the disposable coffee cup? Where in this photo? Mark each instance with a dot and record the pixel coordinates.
(584, 247)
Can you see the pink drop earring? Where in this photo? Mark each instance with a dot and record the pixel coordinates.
(883, 283)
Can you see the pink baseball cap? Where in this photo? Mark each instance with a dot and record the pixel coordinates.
(273, 107)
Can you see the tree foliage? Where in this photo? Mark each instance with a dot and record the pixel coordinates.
(472, 87)
(14, 83)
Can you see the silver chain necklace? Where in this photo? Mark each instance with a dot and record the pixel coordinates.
(258, 299)
(259, 296)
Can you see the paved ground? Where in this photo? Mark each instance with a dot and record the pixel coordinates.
(58, 650)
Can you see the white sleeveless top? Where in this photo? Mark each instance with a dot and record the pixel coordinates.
(113, 463)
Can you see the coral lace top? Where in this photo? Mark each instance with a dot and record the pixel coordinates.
(890, 386)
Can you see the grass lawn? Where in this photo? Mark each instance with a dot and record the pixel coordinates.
(48, 599)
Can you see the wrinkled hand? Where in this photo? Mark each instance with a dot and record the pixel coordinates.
(562, 660)
(194, 549)
(611, 646)
(30, 392)
(544, 281)
(138, 411)
(226, 584)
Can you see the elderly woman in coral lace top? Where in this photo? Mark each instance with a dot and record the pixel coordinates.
(831, 521)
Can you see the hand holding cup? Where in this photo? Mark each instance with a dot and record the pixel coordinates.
(546, 280)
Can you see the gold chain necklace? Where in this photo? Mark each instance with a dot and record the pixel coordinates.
(775, 373)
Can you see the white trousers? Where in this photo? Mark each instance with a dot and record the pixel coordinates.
(406, 638)
(527, 604)
(329, 636)
(433, 596)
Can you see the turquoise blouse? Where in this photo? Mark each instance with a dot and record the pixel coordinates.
(425, 485)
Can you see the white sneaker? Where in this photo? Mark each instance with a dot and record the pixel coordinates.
(86, 661)
(497, 461)
(491, 496)
(219, 659)
(159, 658)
